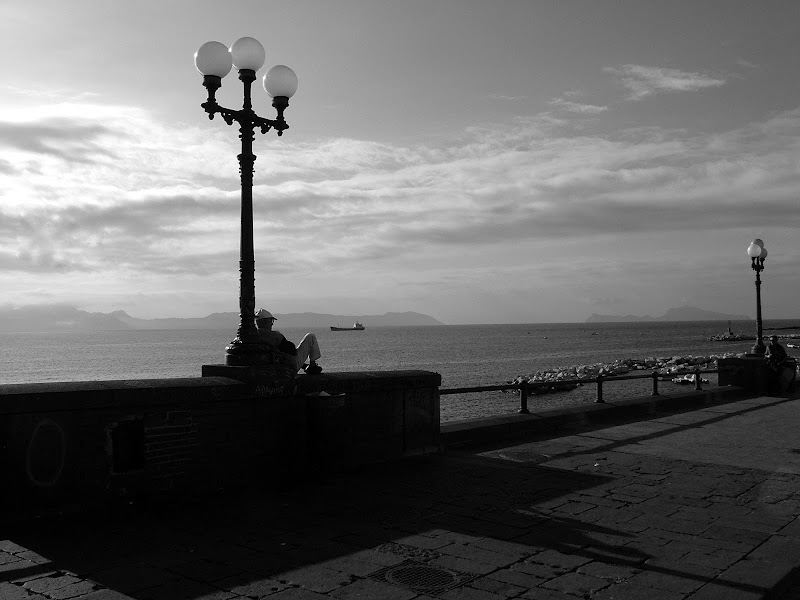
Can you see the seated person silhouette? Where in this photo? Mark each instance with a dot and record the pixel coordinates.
(781, 364)
(307, 349)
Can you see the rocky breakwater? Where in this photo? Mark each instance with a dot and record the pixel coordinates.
(731, 337)
(563, 378)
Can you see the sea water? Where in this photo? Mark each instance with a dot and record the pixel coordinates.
(464, 355)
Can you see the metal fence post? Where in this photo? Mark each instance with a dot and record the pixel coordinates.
(697, 382)
(655, 383)
(523, 398)
(600, 389)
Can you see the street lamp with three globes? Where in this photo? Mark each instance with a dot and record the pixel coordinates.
(214, 61)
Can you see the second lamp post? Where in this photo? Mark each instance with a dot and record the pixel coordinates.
(758, 253)
(214, 60)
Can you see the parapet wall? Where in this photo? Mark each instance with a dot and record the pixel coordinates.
(80, 443)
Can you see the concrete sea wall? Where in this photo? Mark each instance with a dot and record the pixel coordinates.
(81, 443)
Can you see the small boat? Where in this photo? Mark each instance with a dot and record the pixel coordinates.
(356, 327)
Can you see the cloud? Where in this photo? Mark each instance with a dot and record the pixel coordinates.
(577, 107)
(65, 139)
(505, 98)
(165, 200)
(644, 81)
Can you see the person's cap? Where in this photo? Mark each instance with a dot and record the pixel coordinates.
(263, 315)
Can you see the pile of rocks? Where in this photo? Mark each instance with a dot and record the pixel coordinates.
(559, 379)
(731, 337)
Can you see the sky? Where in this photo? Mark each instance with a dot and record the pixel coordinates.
(480, 162)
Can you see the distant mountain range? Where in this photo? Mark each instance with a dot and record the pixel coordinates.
(69, 318)
(683, 313)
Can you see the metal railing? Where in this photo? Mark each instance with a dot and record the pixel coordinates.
(524, 387)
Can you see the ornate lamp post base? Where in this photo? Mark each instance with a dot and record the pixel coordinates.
(254, 354)
(267, 361)
(245, 354)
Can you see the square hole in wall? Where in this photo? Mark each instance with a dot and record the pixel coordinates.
(127, 446)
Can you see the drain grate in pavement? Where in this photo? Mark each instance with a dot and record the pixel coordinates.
(422, 578)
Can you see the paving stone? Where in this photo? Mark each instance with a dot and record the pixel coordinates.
(315, 578)
(544, 572)
(719, 559)
(73, 590)
(671, 580)
(130, 578)
(462, 564)
(480, 555)
(243, 586)
(380, 557)
(205, 570)
(777, 548)
(577, 584)
(6, 558)
(470, 593)
(517, 577)
(632, 591)
(574, 508)
(627, 498)
(182, 589)
(733, 534)
(545, 594)
(106, 595)
(760, 574)
(10, 591)
(215, 595)
(558, 559)
(351, 566)
(606, 516)
(611, 572)
(10, 547)
(791, 528)
(721, 591)
(691, 527)
(20, 569)
(297, 594)
(423, 541)
(497, 586)
(33, 557)
(617, 555)
(505, 547)
(45, 585)
(367, 589)
(587, 497)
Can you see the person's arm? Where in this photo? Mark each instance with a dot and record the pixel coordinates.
(287, 347)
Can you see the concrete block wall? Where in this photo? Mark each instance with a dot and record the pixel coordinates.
(64, 444)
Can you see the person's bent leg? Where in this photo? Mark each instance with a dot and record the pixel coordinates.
(308, 349)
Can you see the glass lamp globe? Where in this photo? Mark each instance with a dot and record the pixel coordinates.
(280, 80)
(248, 53)
(213, 58)
(754, 250)
(763, 253)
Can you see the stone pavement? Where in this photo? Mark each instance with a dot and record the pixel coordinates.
(694, 505)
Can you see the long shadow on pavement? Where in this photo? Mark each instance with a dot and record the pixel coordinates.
(386, 531)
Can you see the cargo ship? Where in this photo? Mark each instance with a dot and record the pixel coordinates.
(356, 327)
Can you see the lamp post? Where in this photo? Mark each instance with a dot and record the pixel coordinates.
(214, 60)
(758, 253)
